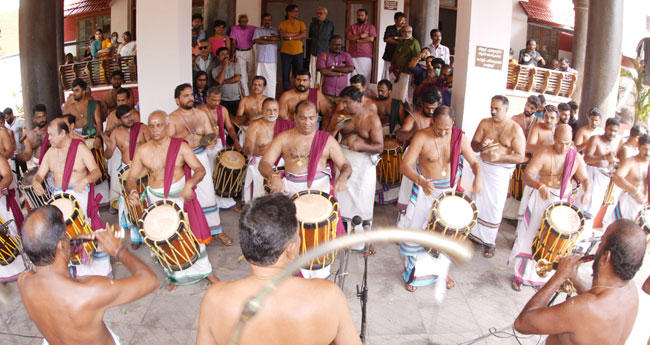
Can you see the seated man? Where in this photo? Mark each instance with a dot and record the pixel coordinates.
(53, 299)
(268, 233)
(603, 314)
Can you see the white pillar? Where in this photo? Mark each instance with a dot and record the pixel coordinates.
(164, 52)
(480, 24)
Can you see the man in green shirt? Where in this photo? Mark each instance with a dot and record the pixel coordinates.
(406, 49)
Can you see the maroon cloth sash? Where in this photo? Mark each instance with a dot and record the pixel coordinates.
(312, 95)
(454, 154)
(569, 161)
(316, 151)
(45, 145)
(222, 131)
(15, 210)
(96, 222)
(198, 224)
(281, 125)
(648, 184)
(133, 139)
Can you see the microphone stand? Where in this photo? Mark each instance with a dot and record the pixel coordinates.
(362, 292)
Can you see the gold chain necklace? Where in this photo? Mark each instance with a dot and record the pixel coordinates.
(441, 159)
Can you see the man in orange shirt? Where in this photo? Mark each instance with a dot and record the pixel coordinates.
(292, 31)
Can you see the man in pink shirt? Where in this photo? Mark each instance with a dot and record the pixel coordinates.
(335, 66)
(242, 35)
(362, 37)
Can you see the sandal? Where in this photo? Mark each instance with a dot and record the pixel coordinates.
(410, 288)
(450, 283)
(223, 238)
(515, 285)
(488, 251)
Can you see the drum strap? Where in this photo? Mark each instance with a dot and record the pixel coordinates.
(395, 105)
(198, 223)
(568, 168)
(15, 209)
(222, 132)
(69, 163)
(649, 184)
(133, 138)
(89, 128)
(312, 96)
(454, 154)
(317, 147)
(45, 145)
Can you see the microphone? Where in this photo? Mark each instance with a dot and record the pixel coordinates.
(366, 225)
(356, 220)
(586, 258)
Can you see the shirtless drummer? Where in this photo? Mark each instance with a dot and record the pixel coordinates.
(541, 135)
(250, 107)
(87, 111)
(68, 310)
(391, 111)
(35, 136)
(178, 188)
(632, 178)
(290, 98)
(421, 118)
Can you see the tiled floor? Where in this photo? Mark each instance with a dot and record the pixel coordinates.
(481, 303)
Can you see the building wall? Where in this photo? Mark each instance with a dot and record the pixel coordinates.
(635, 25)
(252, 8)
(120, 15)
(519, 28)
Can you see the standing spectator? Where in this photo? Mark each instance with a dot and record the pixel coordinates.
(436, 48)
(218, 39)
(335, 65)
(392, 37)
(69, 58)
(407, 49)
(565, 66)
(101, 47)
(197, 24)
(242, 36)
(227, 75)
(128, 48)
(205, 61)
(534, 57)
(200, 87)
(554, 64)
(361, 36)
(321, 30)
(266, 38)
(115, 43)
(16, 125)
(87, 54)
(292, 31)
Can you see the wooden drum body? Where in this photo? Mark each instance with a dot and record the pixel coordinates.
(454, 214)
(134, 211)
(98, 154)
(318, 216)
(33, 199)
(388, 167)
(166, 231)
(9, 247)
(517, 181)
(561, 226)
(75, 223)
(229, 172)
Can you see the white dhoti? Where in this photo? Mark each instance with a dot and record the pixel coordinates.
(246, 62)
(401, 89)
(223, 203)
(626, 208)
(599, 178)
(386, 74)
(490, 203)
(205, 193)
(103, 190)
(270, 72)
(294, 183)
(123, 217)
(201, 268)
(315, 74)
(100, 265)
(11, 271)
(114, 165)
(363, 66)
(420, 267)
(254, 181)
(359, 198)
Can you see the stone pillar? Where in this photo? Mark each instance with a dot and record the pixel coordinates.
(218, 9)
(602, 58)
(60, 52)
(487, 24)
(423, 16)
(38, 62)
(164, 53)
(581, 8)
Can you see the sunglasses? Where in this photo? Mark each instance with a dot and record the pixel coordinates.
(203, 48)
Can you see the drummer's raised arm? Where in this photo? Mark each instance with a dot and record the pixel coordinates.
(271, 155)
(111, 143)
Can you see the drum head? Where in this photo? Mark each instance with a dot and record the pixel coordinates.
(455, 212)
(65, 205)
(564, 219)
(161, 222)
(232, 159)
(28, 177)
(312, 208)
(390, 144)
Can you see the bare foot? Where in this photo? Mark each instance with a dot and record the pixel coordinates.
(372, 251)
(171, 288)
(213, 279)
(237, 208)
(450, 283)
(515, 285)
(410, 288)
(223, 238)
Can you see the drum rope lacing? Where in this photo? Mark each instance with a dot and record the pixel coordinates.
(329, 234)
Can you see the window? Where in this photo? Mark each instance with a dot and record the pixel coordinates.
(547, 41)
(86, 27)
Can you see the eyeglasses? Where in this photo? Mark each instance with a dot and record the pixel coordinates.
(203, 47)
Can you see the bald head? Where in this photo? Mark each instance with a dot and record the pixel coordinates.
(625, 241)
(158, 115)
(563, 132)
(305, 105)
(42, 230)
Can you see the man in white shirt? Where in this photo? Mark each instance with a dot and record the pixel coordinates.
(437, 49)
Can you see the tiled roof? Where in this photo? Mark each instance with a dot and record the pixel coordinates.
(558, 13)
(72, 7)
